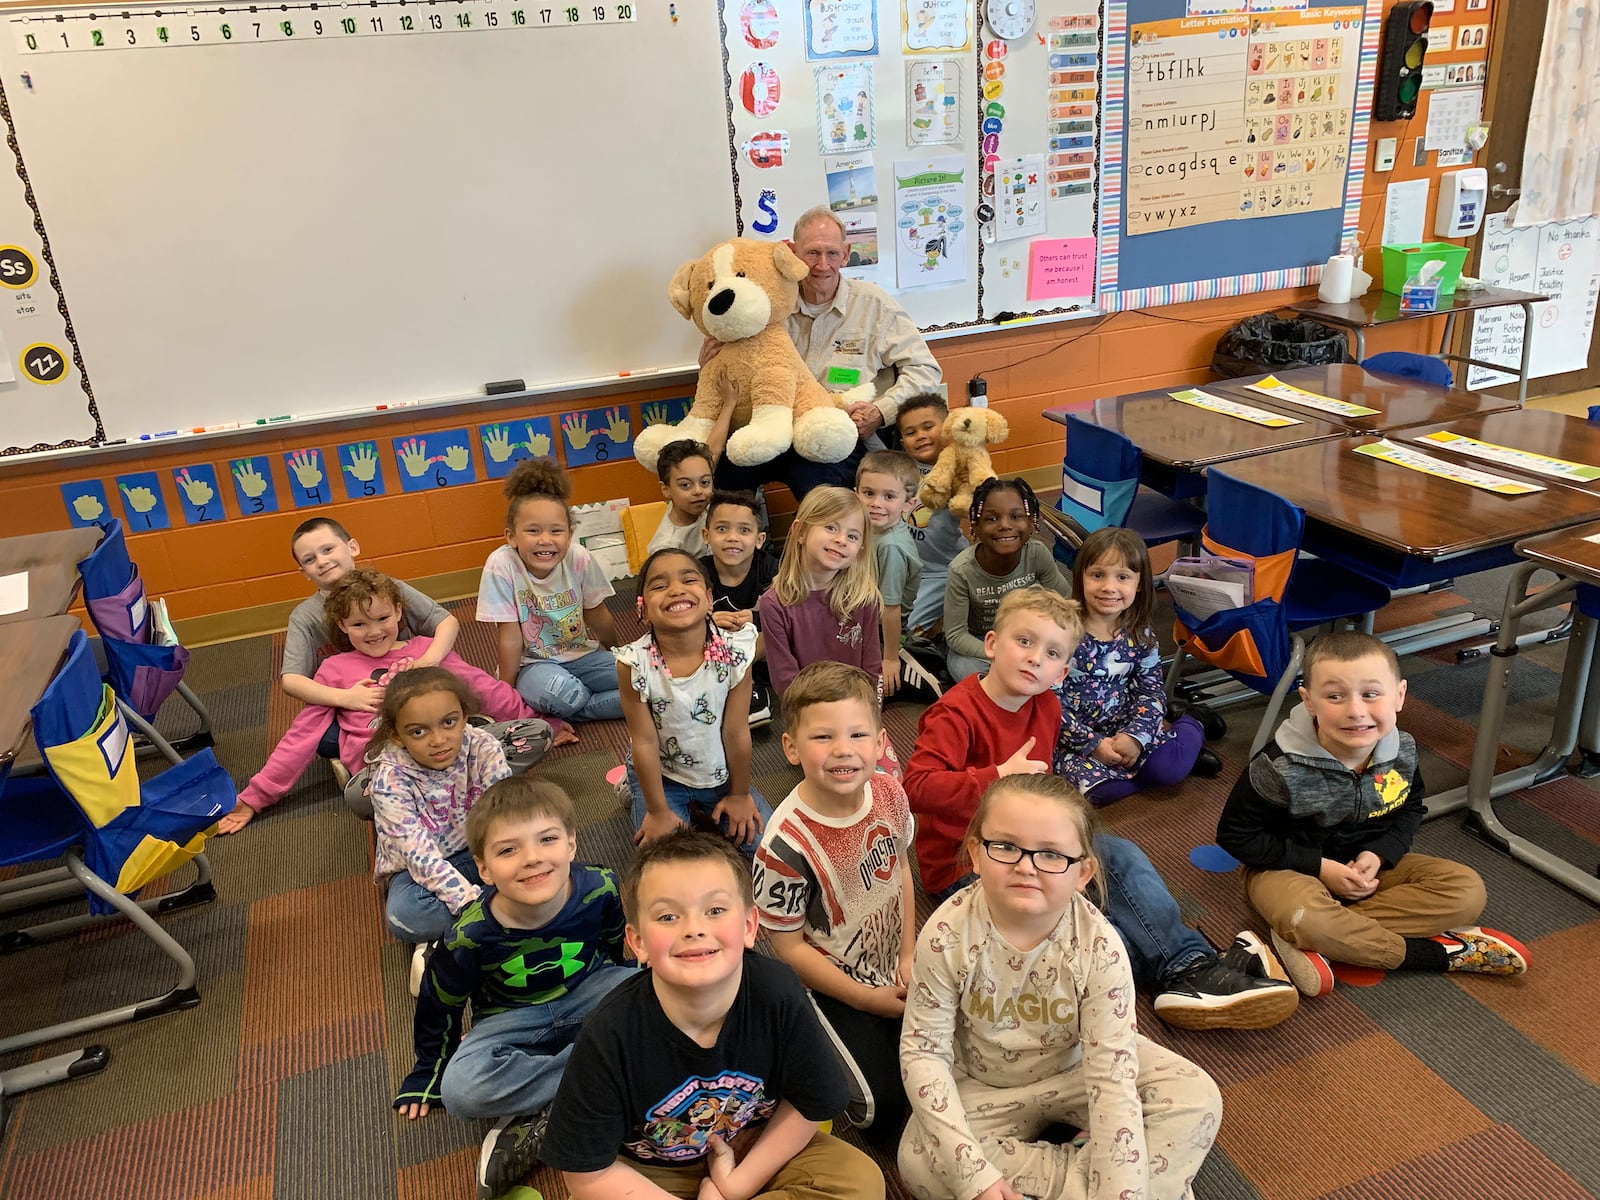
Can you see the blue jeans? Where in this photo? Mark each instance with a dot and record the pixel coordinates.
(416, 914)
(683, 800)
(510, 1063)
(962, 665)
(1140, 909)
(584, 689)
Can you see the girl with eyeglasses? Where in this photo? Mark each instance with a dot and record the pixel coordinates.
(1020, 1016)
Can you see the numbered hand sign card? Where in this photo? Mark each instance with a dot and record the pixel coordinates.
(434, 460)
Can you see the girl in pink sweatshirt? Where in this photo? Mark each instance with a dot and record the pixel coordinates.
(363, 612)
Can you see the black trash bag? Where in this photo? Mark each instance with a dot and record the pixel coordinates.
(1264, 342)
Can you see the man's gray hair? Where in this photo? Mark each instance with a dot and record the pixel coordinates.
(820, 213)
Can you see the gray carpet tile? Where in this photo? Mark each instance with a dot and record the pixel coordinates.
(333, 1134)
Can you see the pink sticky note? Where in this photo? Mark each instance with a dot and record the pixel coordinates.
(1060, 268)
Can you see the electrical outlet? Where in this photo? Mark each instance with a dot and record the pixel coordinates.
(1383, 160)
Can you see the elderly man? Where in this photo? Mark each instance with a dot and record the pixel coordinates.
(849, 332)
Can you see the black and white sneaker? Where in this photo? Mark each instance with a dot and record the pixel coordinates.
(1249, 955)
(510, 1151)
(1213, 995)
(760, 705)
(859, 1109)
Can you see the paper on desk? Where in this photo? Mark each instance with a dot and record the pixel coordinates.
(1405, 212)
(1232, 408)
(1277, 388)
(1415, 460)
(13, 593)
(1539, 464)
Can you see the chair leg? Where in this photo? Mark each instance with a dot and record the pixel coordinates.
(75, 1064)
(200, 891)
(149, 731)
(1269, 719)
(200, 738)
(1175, 672)
(184, 995)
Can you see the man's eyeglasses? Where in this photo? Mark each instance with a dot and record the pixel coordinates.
(816, 256)
(1049, 862)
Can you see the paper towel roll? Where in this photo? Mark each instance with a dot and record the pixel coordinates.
(1336, 278)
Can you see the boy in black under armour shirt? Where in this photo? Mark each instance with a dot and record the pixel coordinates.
(534, 954)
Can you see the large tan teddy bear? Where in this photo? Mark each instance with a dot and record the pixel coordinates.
(741, 293)
(964, 462)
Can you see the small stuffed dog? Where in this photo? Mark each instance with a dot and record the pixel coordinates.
(741, 293)
(964, 462)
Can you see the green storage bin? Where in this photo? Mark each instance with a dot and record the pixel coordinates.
(1400, 263)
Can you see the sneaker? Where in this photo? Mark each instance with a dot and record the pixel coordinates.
(340, 772)
(1483, 951)
(859, 1110)
(1206, 764)
(357, 793)
(1212, 995)
(419, 967)
(1210, 719)
(1307, 969)
(760, 705)
(510, 1151)
(1249, 955)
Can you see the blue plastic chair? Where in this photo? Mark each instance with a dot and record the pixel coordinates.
(1259, 644)
(1403, 364)
(1100, 488)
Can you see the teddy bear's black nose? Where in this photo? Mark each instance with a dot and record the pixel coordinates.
(721, 302)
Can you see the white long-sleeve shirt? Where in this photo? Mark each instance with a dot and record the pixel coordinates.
(864, 331)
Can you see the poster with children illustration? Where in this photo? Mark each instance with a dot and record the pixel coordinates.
(933, 102)
(434, 460)
(841, 28)
(936, 26)
(930, 221)
(844, 108)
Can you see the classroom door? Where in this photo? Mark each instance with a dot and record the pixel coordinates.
(1513, 66)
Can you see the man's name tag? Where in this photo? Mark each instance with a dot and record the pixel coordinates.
(845, 377)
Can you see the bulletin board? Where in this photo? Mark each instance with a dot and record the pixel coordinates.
(1244, 87)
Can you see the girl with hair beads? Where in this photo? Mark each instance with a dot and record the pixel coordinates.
(1020, 1016)
(363, 611)
(824, 605)
(1114, 736)
(547, 596)
(1003, 557)
(685, 688)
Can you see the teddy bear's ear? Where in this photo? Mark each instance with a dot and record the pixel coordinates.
(678, 290)
(950, 420)
(790, 265)
(999, 431)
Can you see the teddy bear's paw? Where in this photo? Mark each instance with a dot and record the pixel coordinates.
(766, 436)
(825, 435)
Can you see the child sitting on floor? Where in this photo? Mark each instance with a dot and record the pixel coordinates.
(1323, 821)
(887, 482)
(740, 568)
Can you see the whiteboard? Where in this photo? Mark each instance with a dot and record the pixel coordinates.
(266, 224)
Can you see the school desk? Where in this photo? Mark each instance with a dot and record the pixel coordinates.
(1179, 440)
(1401, 403)
(51, 561)
(1537, 431)
(1383, 308)
(1574, 554)
(30, 652)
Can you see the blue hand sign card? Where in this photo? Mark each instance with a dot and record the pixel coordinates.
(253, 486)
(434, 460)
(198, 494)
(360, 470)
(596, 435)
(308, 477)
(143, 505)
(87, 503)
(665, 412)
(507, 444)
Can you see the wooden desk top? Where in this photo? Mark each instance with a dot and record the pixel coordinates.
(1407, 511)
(1187, 438)
(1378, 307)
(30, 652)
(51, 561)
(1538, 431)
(1401, 403)
(1574, 551)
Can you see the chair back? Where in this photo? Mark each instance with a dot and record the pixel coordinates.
(1099, 475)
(144, 668)
(639, 525)
(1243, 521)
(135, 832)
(1405, 364)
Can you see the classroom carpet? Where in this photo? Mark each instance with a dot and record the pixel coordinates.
(278, 1086)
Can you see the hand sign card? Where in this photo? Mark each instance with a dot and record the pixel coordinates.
(596, 435)
(143, 506)
(87, 503)
(199, 496)
(434, 460)
(665, 412)
(360, 470)
(508, 443)
(252, 485)
(308, 477)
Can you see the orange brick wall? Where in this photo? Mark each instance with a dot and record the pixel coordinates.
(244, 562)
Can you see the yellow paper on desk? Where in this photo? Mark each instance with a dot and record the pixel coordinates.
(1539, 464)
(1414, 460)
(1232, 408)
(1279, 390)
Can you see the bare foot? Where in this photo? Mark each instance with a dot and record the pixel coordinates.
(237, 819)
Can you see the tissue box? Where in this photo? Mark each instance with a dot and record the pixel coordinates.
(1400, 263)
(1419, 297)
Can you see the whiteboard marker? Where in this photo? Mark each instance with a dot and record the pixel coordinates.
(217, 428)
(273, 420)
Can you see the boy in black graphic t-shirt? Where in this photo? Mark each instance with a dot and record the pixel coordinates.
(740, 570)
(710, 1064)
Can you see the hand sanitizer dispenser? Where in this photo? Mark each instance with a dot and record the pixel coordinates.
(1461, 199)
